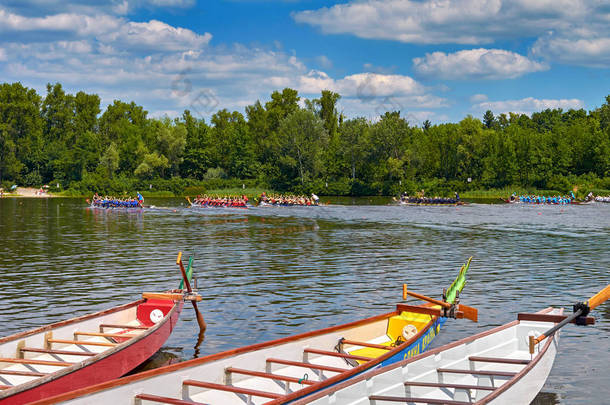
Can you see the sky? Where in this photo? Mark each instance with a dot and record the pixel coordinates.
(439, 60)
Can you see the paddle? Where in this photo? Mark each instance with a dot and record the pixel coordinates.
(580, 309)
(187, 284)
(469, 312)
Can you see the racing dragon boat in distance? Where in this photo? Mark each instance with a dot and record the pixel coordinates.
(89, 349)
(288, 368)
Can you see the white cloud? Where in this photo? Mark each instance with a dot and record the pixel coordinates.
(527, 105)
(570, 31)
(478, 98)
(484, 64)
(594, 52)
(2, 55)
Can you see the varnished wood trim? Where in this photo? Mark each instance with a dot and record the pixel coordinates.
(498, 360)
(365, 344)
(69, 322)
(34, 361)
(452, 386)
(417, 400)
(23, 373)
(164, 400)
(5, 387)
(335, 354)
(60, 352)
(269, 376)
(230, 388)
(477, 372)
(307, 365)
(82, 342)
(589, 320)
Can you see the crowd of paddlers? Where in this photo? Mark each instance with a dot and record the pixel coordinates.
(113, 202)
(423, 200)
(603, 199)
(537, 199)
(217, 201)
(288, 200)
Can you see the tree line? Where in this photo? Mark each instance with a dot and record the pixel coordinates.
(289, 145)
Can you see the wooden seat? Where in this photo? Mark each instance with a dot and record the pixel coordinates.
(481, 372)
(59, 352)
(81, 342)
(307, 365)
(163, 400)
(115, 326)
(365, 344)
(269, 376)
(443, 385)
(23, 373)
(335, 354)
(498, 360)
(34, 361)
(230, 388)
(109, 335)
(417, 400)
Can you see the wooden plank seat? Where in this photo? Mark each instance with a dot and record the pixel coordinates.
(23, 373)
(81, 342)
(335, 354)
(481, 372)
(58, 352)
(444, 385)
(163, 400)
(34, 361)
(365, 344)
(231, 388)
(117, 326)
(107, 335)
(417, 400)
(307, 365)
(268, 375)
(498, 360)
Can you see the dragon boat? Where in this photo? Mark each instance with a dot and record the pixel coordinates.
(288, 368)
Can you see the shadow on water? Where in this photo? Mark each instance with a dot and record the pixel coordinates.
(274, 272)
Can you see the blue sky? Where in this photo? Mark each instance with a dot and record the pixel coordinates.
(437, 60)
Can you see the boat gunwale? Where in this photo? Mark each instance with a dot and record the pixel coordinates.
(233, 352)
(373, 373)
(5, 394)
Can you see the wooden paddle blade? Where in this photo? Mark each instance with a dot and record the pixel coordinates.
(469, 312)
(599, 298)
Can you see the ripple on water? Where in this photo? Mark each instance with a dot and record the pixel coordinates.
(271, 272)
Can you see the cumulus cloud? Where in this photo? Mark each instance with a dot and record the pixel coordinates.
(484, 64)
(527, 105)
(571, 24)
(593, 52)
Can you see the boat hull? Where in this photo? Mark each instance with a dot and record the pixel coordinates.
(105, 366)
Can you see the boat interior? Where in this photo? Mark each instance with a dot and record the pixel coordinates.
(461, 375)
(274, 372)
(30, 356)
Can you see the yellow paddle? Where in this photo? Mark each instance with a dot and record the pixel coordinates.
(580, 309)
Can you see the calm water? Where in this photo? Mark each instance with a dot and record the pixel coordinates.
(271, 272)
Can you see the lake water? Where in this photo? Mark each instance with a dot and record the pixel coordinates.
(271, 272)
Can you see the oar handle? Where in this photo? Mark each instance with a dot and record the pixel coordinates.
(405, 293)
(599, 298)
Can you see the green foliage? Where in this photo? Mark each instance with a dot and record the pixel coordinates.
(62, 138)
